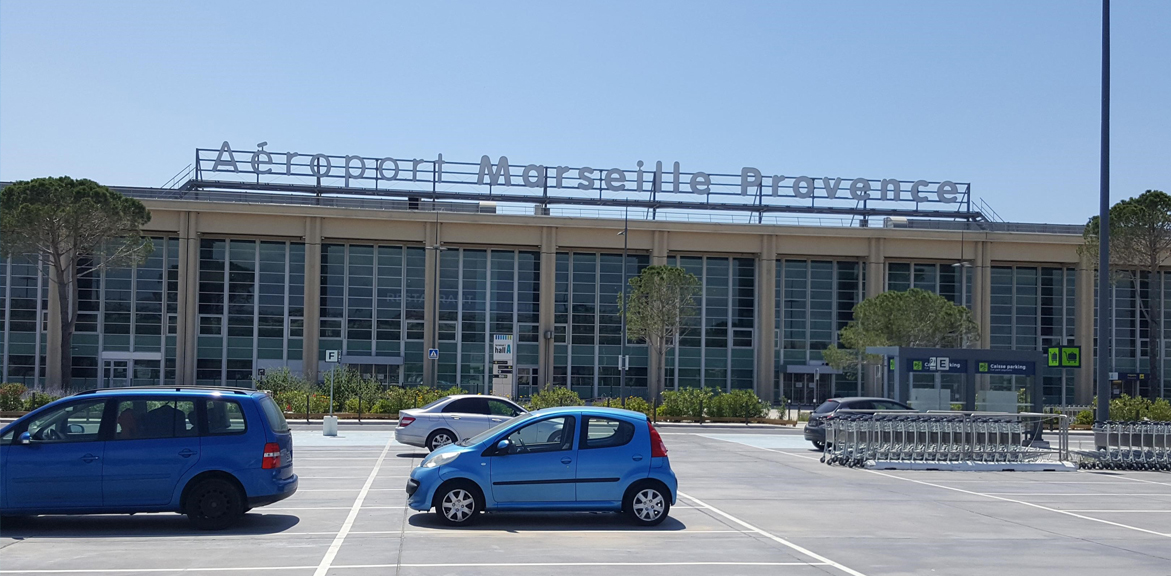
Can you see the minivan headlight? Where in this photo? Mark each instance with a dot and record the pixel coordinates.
(440, 460)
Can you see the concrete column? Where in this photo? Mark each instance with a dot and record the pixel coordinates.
(545, 308)
(53, 338)
(659, 248)
(766, 310)
(310, 343)
(876, 268)
(188, 310)
(430, 313)
(1084, 389)
(875, 285)
(982, 292)
(184, 317)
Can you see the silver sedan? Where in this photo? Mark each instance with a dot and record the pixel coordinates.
(452, 419)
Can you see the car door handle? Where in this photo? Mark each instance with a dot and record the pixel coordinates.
(637, 457)
(88, 458)
(455, 417)
(186, 452)
(566, 460)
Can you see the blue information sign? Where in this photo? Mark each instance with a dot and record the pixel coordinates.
(1006, 368)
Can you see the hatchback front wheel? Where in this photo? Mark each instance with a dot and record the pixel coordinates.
(457, 505)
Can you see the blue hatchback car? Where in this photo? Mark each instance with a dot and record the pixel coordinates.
(571, 458)
(212, 454)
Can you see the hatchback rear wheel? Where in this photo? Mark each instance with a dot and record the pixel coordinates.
(648, 505)
(214, 504)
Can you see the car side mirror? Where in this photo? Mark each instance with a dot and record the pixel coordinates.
(502, 446)
(25, 438)
(76, 429)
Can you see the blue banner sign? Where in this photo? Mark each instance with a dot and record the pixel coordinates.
(937, 364)
(1007, 368)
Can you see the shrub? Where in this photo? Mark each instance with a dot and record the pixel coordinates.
(802, 416)
(1160, 410)
(37, 399)
(1085, 418)
(737, 404)
(685, 403)
(554, 396)
(282, 380)
(10, 396)
(294, 402)
(633, 403)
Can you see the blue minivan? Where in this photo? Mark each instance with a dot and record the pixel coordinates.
(571, 458)
(212, 454)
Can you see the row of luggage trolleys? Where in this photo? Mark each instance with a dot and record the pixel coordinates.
(857, 438)
(1142, 445)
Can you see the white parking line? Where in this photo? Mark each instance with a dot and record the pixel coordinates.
(1067, 493)
(985, 495)
(1023, 503)
(333, 508)
(823, 561)
(327, 560)
(443, 565)
(1121, 511)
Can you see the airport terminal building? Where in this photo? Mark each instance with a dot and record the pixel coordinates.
(264, 260)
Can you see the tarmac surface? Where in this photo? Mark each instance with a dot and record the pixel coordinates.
(752, 501)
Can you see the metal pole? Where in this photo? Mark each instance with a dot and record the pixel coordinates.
(1104, 313)
(622, 353)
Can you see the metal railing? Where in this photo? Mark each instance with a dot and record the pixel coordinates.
(1142, 445)
(860, 438)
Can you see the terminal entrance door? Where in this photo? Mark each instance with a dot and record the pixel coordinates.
(806, 389)
(115, 373)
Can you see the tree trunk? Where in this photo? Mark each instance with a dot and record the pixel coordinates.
(63, 274)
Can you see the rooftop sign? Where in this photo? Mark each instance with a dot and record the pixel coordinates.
(665, 184)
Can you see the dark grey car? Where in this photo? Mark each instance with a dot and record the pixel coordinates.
(815, 429)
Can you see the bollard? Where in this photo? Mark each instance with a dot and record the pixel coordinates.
(329, 426)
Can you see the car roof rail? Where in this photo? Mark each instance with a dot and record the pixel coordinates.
(232, 389)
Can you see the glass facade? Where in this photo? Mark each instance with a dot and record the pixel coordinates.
(717, 350)
(814, 300)
(26, 301)
(250, 308)
(1131, 332)
(484, 293)
(587, 334)
(372, 301)
(942, 279)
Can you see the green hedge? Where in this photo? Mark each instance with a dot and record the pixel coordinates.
(1130, 409)
(633, 403)
(700, 402)
(553, 396)
(10, 397)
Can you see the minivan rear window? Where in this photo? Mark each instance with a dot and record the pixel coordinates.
(829, 406)
(276, 419)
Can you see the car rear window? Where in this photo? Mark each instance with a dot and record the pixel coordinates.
(225, 417)
(828, 406)
(276, 420)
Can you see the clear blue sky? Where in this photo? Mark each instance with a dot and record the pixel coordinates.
(1001, 94)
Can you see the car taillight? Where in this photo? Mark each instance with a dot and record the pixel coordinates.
(658, 449)
(405, 421)
(272, 456)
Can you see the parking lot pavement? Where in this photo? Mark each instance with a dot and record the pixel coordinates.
(752, 502)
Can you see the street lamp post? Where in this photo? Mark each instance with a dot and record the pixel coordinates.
(438, 248)
(1104, 316)
(622, 364)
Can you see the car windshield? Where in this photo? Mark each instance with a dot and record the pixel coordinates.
(829, 406)
(493, 430)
